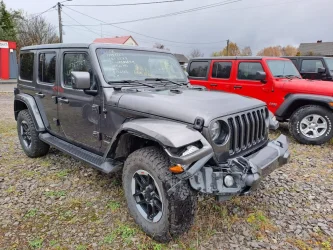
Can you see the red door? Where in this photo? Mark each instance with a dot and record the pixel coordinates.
(246, 83)
(219, 77)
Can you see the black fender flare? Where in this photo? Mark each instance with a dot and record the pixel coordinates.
(166, 133)
(31, 104)
(291, 99)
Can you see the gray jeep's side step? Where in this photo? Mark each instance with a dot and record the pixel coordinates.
(108, 166)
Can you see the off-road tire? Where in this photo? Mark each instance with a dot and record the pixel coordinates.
(299, 114)
(179, 207)
(37, 148)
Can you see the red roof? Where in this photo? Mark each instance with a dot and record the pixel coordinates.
(114, 40)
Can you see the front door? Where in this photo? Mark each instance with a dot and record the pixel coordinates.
(309, 68)
(78, 112)
(246, 83)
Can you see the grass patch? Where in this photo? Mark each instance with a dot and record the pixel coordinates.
(81, 247)
(52, 243)
(56, 194)
(123, 231)
(36, 243)
(31, 213)
(62, 174)
(260, 223)
(113, 205)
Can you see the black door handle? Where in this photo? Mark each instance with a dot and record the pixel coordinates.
(40, 94)
(213, 84)
(63, 100)
(237, 87)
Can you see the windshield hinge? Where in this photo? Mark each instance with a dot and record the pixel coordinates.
(198, 123)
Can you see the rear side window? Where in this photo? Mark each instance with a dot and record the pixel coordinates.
(294, 61)
(47, 67)
(26, 66)
(198, 69)
(221, 70)
(248, 70)
(311, 66)
(75, 62)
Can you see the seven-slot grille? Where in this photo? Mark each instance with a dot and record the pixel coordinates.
(247, 129)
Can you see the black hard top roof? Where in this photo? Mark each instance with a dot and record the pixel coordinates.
(230, 58)
(88, 45)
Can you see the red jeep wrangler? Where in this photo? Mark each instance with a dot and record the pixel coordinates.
(307, 105)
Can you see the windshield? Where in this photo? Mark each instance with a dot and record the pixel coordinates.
(283, 68)
(120, 65)
(329, 62)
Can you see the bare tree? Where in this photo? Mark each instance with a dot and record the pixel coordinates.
(35, 30)
(196, 53)
(246, 51)
(160, 46)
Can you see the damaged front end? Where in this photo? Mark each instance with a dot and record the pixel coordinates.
(239, 175)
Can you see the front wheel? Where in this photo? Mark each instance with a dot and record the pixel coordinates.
(146, 180)
(311, 124)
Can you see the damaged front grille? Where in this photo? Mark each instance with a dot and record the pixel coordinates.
(247, 129)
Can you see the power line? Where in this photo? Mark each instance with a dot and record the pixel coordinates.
(123, 4)
(41, 13)
(173, 13)
(140, 33)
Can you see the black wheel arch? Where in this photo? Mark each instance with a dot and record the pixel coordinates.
(24, 101)
(293, 102)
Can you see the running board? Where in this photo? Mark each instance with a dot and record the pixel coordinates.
(108, 166)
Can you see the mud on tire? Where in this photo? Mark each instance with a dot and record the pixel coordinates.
(178, 207)
(308, 111)
(35, 147)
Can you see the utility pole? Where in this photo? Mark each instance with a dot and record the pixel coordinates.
(228, 47)
(60, 22)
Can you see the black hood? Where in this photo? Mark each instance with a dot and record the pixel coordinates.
(185, 104)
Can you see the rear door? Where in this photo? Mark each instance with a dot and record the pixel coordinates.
(220, 75)
(46, 91)
(78, 112)
(198, 73)
(309, 68)
(246, 84)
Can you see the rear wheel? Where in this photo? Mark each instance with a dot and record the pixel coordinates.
(146, 180)
(311, 124)
(28, 136)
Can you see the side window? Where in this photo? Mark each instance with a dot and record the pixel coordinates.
(75, 62)
(47, 67)
(26, 66)
(311, 65)
(248, 70)
(198, 69)
(221, 70)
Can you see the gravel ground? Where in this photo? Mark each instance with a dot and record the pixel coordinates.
(56, 202)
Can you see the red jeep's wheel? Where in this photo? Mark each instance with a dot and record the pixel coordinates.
(311, 124)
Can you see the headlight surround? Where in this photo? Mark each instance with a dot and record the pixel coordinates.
(214, 130)
(219, 132)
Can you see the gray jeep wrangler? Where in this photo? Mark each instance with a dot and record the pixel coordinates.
(133, 110)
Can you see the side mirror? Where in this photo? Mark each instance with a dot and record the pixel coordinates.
(80, 80)
(261, 76)
(321, 70)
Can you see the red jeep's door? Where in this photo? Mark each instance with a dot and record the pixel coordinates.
(220, 74)
(246, 83)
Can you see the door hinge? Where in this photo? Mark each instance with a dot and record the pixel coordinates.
(96, 108)
(97, 135)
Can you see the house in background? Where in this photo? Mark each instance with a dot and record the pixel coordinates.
(319, 48)
(125, 40)
(183, 61)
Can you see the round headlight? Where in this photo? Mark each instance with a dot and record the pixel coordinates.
(214, 130)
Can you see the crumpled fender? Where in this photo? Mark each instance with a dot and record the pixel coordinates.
(167, 134)
(30, 102)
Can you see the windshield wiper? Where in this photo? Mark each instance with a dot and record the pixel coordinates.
(164, 80)
(282, 76)
(131, 82)
(291, 76)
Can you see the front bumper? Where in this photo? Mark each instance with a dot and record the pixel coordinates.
(247, 172)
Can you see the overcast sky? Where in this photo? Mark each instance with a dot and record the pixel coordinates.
(254, 23)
